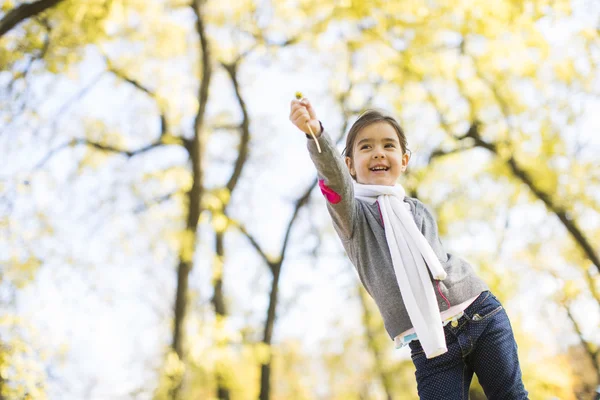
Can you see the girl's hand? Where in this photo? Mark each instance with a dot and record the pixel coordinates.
(301, 114)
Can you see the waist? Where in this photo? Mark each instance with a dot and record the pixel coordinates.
(449, 315)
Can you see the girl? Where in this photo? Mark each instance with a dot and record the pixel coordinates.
(429, 299)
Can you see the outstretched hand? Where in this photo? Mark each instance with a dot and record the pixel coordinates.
(303, 115)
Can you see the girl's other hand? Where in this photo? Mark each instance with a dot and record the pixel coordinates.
(302, 114)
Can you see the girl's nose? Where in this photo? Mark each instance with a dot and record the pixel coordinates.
(378, 154)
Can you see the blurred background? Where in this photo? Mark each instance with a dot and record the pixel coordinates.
(161, 236)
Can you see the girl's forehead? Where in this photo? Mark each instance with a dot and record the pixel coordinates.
(377, 131)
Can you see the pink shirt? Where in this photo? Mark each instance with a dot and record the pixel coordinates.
(454, 312)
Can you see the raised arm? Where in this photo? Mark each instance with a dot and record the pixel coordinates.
(335, 181)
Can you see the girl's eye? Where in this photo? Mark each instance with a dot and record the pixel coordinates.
(390, 145)
(366, 146)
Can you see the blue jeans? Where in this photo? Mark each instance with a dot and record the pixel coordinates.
(482, 342)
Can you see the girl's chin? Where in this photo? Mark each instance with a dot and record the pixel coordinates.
(380, 182)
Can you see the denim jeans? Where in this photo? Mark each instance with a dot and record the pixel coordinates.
(480, 342)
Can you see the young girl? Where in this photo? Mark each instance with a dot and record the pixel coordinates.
(429, 299)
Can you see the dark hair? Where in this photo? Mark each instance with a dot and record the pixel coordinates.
(370, 117)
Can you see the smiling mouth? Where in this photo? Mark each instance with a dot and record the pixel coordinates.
(379, 169)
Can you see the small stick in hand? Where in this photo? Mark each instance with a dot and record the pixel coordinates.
(299, 97)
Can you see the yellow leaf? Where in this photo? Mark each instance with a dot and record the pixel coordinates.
(187, 245)
(565, 70)
(217, 268)
(220, 222)
(174, 367)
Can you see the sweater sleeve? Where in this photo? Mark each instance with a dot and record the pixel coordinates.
(335, 183)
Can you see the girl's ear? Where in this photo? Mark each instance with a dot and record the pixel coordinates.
(405, 159)
(350, 167)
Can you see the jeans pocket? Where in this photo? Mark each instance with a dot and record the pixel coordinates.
(477, 317)
(490, 307)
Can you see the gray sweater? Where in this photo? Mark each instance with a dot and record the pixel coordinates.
(360, 228)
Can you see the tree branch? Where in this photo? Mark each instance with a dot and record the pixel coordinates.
(589, 347)
(163, 118)
(253, 242)
(439, 153)
(158, 200)
(503, 104)
(98, 146)
(245, 128)
(75, 98)
(23, 12)
(226, 127)
(589, 278)
(302, 200)
(474, 134)
(569, 223)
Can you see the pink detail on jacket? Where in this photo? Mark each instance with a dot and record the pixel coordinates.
(380, 214)
(441, 294)
(331, 196)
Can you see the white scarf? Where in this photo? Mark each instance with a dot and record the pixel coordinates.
(411, 255)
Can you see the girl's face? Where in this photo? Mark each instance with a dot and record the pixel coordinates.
(377, 156)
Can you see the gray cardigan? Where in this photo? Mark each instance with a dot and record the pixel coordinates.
(360, 228)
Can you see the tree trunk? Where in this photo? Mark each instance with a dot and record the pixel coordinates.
(218, 301)
(195, 150)
(265, 369)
